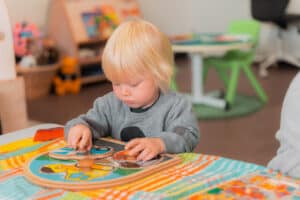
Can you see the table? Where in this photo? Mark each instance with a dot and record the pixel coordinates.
(199, 176)
(201, 45)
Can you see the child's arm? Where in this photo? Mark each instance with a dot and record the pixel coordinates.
(182, 132)
(97, 119)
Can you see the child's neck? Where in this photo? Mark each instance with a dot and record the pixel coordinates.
(147, 107)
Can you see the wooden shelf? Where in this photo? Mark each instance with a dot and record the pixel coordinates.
(92, 41)
(88, 61)
(66, 27)
(92, 79)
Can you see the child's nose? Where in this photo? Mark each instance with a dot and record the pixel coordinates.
(125, 91)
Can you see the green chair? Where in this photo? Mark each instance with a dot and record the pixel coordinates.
(173, 84)
(230, 65)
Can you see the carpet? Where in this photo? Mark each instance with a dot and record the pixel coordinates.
(242, 106)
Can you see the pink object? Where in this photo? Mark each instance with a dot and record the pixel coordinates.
(22, 33)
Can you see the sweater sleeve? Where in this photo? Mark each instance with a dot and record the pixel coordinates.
(287, 159)
(98, 119)
(182, 134)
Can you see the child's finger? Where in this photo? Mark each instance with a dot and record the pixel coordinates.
(149, 156)
(89, 147)
(143, 155)
(131, 144)
(84, 142)
(136, 149)
(73, 141)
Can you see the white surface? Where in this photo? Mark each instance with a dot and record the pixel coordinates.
(294, 7)
(181, 16)
(198, 96)
(35, 11)
(24, 133)
(172, 16)
(196, 53)
(7, 58)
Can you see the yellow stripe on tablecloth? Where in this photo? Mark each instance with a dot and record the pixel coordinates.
(13, 146)
(20, 160)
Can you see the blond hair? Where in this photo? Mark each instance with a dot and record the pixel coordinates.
(138, 48)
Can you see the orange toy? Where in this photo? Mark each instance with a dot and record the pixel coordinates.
(42, 135)
(67, 80)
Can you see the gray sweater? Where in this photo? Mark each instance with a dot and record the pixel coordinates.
(287, 159)
(169, 118)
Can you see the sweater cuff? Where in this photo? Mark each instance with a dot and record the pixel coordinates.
(72, 123)
(173, 143)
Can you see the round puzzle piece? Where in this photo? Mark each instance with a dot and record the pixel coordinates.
(125, 160)
(68, 153)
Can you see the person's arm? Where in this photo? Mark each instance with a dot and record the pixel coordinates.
(182, 133)
(98, 119)
(287, 159)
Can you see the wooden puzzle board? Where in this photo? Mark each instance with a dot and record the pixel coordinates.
(64, 174)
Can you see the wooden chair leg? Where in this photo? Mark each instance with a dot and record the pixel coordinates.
(231, 89)
(257, 87)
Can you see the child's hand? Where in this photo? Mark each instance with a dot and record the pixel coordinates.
(80, 138)
(145, 148)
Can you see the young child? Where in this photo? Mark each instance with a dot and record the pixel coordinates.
(287, 159)
(138, 60)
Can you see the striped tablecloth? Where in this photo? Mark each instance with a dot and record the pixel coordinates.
(198, 177)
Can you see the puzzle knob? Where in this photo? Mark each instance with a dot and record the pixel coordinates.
(85, 163)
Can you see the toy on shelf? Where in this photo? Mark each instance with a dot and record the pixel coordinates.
(67, 80)
(100, 22)
(130, 13)
(25, 36)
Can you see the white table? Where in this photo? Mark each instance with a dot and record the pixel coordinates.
(196, 52)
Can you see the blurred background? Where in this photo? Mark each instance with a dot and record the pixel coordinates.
(57, 41)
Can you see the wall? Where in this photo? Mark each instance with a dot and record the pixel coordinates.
(172, 16)
(28, 10)
(178, 16)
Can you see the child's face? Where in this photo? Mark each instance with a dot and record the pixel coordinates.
(136, 93)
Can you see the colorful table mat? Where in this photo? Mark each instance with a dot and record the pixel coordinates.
(197, 177)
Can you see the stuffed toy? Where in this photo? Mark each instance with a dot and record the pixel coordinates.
(67, 80)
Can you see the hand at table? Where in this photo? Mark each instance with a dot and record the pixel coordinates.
(145, 148)
(80, 138)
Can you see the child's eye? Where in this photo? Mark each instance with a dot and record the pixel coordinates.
(135, 84)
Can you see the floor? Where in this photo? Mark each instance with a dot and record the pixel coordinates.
(250, 138)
